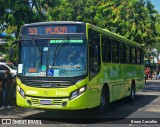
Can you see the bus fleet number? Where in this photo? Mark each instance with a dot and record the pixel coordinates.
(61, 93)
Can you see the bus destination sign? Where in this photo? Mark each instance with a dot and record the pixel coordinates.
(52, 29)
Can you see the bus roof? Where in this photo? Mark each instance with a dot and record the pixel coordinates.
(114, 35)
(54, 22)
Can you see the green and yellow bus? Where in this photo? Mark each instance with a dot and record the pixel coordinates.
(69, 65)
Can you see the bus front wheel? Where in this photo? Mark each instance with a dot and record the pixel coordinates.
(104, 101)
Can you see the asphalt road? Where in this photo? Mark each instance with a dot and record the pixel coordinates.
(145, 108)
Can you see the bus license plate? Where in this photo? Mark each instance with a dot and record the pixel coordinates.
(45, 102)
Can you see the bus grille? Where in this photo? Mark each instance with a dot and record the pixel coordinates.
(57, 102)
(46, 84)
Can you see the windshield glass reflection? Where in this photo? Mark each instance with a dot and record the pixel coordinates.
(53, 58)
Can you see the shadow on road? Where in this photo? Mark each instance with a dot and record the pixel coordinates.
(118, 111)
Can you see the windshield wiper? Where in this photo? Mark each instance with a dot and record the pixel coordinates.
(39, 49)
(59, 49)
(37, 46)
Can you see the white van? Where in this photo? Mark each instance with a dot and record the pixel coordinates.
(8, 66)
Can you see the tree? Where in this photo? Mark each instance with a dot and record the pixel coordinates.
(157, 44)
(132, 19)
(74, 10)
(19, 12)
(15, 13)
(154, 49)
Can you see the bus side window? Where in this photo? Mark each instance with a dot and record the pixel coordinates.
(134, 60)
(106, 49)
(122, 53)
(138, 53)
(128, 54)
(115, 54)
(94, 53)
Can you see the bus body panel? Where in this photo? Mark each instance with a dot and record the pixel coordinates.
(95, 86)
(119, 78)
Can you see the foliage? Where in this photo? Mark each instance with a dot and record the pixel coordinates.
(15, 13)
(133, 19)
(19, 12)
(74, 10)
(4, 48)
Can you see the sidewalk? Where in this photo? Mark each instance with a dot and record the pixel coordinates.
(153, 80)
(152, 87)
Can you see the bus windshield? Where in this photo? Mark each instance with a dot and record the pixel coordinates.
(56, 58)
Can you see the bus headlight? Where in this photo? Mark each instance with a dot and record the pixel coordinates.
(78, 92)
(21, 91)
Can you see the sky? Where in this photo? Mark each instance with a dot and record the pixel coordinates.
(156, 3)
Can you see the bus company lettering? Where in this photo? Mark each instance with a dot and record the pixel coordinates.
(132, 73)
(66, 66)
(113, 73)
(31, 92)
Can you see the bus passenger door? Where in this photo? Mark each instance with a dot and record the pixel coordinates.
(94, 69)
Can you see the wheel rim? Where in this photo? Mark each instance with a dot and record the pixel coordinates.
(133, 93)
(103, 101)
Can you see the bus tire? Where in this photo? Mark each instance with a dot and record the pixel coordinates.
(132, 93)
(104, 101)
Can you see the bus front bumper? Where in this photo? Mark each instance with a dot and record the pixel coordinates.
(80, 102)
